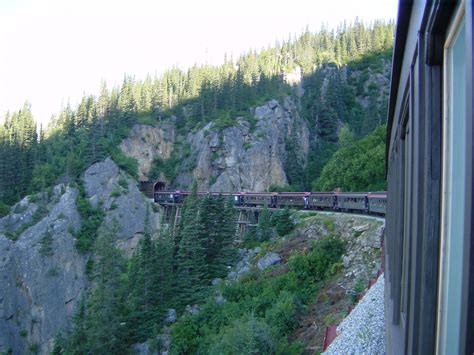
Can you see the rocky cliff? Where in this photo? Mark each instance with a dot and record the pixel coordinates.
(145, 143)
(42, 275)
(249, 155)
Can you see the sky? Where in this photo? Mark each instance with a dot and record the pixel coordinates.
(55, 51)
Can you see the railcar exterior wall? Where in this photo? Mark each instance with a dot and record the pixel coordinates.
(429, 266)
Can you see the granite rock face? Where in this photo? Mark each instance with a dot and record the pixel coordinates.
(250, 155)
(125, 206)
(247, 156)
(42, 275)
(145, 143)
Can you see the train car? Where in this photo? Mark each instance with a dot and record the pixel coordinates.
(377, 202)
(259, 199)
(355, 201)
(322, 200)
(163, 197)
(292, 199)
(238, 198)
(429, 243)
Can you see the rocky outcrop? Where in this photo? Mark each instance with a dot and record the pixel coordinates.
(250, 155)
(268, 260)
(247, 156)
(124, 204)
(244, 264)
(42, 275)
(362, 236)
(145, 143)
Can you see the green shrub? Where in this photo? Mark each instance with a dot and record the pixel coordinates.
(91, 220)
(252, 336)
(123, 182)
(45, 242)
(186, 336)
(316, 266)
(52, 272)
(115, 193)
(282, 315)
(4, 209)
(130, 165)
(283, 222)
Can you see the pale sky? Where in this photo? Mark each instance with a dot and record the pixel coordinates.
(53, 51)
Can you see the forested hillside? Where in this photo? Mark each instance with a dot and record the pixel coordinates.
(305, 113)
(336, 77)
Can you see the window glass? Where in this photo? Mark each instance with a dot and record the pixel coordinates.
(454, 187)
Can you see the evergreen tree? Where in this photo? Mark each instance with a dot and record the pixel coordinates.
(283, 222)
(193, 274)
(105, 326)
(264, 228)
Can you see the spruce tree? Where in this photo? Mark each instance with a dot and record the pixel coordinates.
(192, 275)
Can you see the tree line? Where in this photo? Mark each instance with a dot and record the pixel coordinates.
(32, 160)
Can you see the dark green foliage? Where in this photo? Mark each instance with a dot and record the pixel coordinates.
(357, 166)
(264, 228)
(4, 209)
(130, 165)
(18, 145)
(91, 219)
(316, 265)
(169, 167)
(191, 255)
(359, 287)
(260, 312)
(99, 322)
(45, 243)
(283, 222)
(164, 271)
(38, 215)
(251, 336)
(149, 285)
(91, 131)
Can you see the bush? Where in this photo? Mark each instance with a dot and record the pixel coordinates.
(4, 209)
(130, 165)
(250, 336)
(91, 220)
(282, 315)
(316, 266)
(186, 336)
(283, 222)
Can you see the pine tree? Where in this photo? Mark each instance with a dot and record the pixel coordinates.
(105, 326)
(264, 228)
(191, 258)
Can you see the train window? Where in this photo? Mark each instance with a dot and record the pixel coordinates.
(453, 186)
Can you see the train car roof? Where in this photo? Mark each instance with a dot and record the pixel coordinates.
(294, 193)
(351, 194)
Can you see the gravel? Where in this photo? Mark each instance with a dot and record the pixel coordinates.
(363, 330)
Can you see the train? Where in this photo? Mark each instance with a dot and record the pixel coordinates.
(356, 202)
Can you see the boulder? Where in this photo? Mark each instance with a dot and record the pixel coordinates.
(219, 298)
(268, 260)
(170, 316)
(143, 349)
(192, 310)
